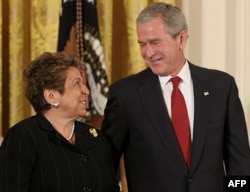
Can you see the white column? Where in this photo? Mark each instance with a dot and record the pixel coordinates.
(238, 49)
(220, 38)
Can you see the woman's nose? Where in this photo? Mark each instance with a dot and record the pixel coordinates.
(85, 90)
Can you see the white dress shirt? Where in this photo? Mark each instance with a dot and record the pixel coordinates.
(186, 87)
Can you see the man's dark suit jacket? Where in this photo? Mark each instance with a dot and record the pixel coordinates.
(137, 124)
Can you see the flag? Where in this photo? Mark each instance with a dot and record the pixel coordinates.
(79, 35)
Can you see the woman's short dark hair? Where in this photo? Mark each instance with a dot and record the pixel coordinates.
(48, 71)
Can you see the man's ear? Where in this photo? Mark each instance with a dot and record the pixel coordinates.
(183, 37)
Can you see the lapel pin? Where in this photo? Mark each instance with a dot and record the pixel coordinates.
(206, 93)
(93, 132)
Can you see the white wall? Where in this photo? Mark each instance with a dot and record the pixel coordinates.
(219, 33)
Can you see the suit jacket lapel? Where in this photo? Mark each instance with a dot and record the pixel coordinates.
(202, 103)
(152, 99)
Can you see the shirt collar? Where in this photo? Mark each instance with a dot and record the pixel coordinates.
(184, 74)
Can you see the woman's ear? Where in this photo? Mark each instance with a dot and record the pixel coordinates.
(49, 96)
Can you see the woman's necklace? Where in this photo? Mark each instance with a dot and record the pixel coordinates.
(72, 132)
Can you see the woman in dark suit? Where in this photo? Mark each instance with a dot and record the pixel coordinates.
(52, 151)
(139, 120)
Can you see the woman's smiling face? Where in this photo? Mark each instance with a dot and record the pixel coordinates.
(74, 100)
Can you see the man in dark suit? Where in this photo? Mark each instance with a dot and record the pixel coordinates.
(138, 115)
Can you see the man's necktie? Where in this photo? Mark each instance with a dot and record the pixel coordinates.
(180, 120)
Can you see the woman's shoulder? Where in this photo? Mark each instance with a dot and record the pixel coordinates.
(23, 124)
(20, 132)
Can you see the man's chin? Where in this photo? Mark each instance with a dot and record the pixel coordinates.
(157, 72)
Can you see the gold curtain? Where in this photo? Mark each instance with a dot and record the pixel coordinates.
(30, 27)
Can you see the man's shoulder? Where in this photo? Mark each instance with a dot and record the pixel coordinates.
(207, 72)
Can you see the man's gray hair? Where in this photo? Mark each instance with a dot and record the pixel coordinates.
(172, 16)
